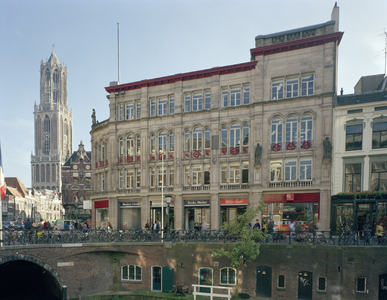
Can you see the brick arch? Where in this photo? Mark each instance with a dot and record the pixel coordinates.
(36, 261)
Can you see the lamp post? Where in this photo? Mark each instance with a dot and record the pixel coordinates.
(169, 200)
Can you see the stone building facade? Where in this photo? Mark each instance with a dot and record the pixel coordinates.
(222, 139)
(76, 184)
(53, 126)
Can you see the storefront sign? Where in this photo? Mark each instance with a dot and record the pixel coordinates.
(289, 197)
(87, 204)
(158, 203)
(289, 209)
(101, 204)
(129, 204)
(196, 202)
(233, 201)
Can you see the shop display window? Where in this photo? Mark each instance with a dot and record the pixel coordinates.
(102, 217)
(344, 216)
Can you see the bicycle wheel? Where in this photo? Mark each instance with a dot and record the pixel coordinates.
(269, 239)
(309, 240)
(321, 240)
(373, 240)
(174, 289)
(186, 290)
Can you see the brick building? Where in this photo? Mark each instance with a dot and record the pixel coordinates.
(76, 184)
(220, 139)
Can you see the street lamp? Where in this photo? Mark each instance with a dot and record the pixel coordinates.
(169, 200)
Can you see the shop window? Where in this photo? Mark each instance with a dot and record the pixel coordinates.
(131, 272)
(227, 276)
(344, 216)
(307, 85)
(277, 89)
(379, 176)
(361, 285)
(322, 284)
(281, 282)
(354, 136)
(379, 135)
(352, 178)
(291, 169)
(275, 170)
(292, 87)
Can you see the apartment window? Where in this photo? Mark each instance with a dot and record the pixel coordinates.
(131, 272)
(152, 174)
(307, 85)
(121, 147)
(207, 100)
(76, 180)
(379, 135)
(121, 179)
(103, 188)
(354, 111)
(354, 135)
(163, 142)
(162, 176)
(361, 285)
(276, 134)
(206, 173)
(129, 145)
(235, 96)
(290, 169)
(234, 173)
(138, 109)
(292, 87)
(186, 141)
(129, 178)
(291, 133)
(380, 108)
(224, 139)
(187, 102)
(227, 276)
(197, 101)
(138, 145)
(153, 108)
(235, 137)
(162, 107)
(322, 284)
(152, 144)
(102, 151)
(121, 112)
(171, 175)
(379, 175)
(187, 177)
(246, 94)
(352, 178)
(245, 135)
(171, 142)
(171, 106)
(305, 168)
(275, 170)
(197, 174)
(277, 89)
(281, 282)
(223, 173)
(197, 139)
(224, 97)
(129, 111)
(138, 178)
(207, 138)
(245, 172)
(306, 131)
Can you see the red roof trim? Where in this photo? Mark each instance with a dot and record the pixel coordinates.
(183, 77)
(298, 44)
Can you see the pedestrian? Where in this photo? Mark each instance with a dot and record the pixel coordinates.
(204, 226)
(27, 224)
(147, 225)
(380, 231)
(75, 225)
(257, 225)
(191, 225)
(125, 227)
(270, 227)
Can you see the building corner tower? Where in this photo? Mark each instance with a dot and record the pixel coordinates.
(53, 126)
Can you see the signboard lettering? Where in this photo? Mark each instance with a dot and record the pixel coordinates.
(233, 202)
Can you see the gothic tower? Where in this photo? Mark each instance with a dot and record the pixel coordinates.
(53, 122)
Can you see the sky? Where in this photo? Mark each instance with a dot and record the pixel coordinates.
(157, 38)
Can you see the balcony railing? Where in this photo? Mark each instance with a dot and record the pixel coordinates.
(287, 184)
(158, 189)
(241, 186)
(128, 191)
(205, 187)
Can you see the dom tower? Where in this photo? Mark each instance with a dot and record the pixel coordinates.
(53, 126)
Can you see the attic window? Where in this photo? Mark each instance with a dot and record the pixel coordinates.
(355, 111)
(380, 108)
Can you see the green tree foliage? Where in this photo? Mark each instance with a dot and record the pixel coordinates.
(246, 248)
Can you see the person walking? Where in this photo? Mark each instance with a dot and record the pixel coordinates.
(257, 225)
(204, 226)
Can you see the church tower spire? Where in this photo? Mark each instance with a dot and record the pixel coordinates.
(53, 126)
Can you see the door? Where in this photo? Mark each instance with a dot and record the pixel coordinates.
(205, 279)
(305, 281)
(383, 287)
(156, 278)
(264, 281)
(167, 279)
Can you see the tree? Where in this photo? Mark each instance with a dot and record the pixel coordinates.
(245, 249)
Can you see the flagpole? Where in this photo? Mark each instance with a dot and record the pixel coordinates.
(2, 186)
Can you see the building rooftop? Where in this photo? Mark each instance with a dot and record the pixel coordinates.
(369, 97)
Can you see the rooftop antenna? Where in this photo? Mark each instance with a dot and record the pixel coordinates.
(118, 47)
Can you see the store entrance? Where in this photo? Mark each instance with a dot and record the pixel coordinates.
(364, 215)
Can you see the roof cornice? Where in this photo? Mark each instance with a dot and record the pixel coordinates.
(183, 77)
(298, 44)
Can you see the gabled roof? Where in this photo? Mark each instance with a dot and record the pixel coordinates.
(15, 183)
(74, 156)
(14, 192)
